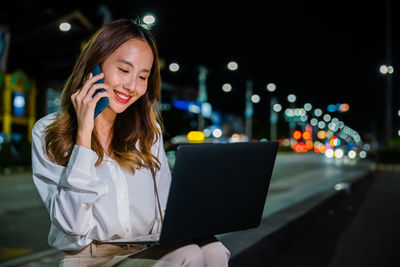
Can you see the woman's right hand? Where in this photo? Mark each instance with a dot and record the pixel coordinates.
(85, 105)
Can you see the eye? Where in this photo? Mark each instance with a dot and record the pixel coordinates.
(122, 70)
(143, 78)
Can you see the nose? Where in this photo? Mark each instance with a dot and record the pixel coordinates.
(130, 83)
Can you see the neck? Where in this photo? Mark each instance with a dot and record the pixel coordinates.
(104, 121)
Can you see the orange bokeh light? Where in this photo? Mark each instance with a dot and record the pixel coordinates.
(334, 141)
(297, 135)
(309, 144)
(306, 135)
(344, 107)
(300, 147)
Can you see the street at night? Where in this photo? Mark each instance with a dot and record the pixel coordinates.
(316, 80)
(300, 183)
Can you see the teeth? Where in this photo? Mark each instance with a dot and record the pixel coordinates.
(122, 96)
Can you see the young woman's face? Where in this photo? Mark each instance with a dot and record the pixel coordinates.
(127, 71)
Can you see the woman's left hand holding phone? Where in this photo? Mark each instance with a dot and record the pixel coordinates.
(84, 105)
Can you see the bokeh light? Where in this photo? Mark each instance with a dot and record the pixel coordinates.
(149, 19)
(277, 107)
(271, 87)
(297, 134)
(64, 26)
(329, 153)
(291, 98)
(227, 87)
(344, 107)
(232, 65)
(255, 98)
(174, 67)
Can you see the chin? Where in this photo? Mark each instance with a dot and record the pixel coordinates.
(118, 108)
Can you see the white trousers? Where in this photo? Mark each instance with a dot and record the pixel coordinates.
(204, 253)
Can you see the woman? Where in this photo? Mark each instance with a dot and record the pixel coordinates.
(95, 175)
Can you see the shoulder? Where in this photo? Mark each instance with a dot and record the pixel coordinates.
(160, 132)
(159, 129)
(45, 121)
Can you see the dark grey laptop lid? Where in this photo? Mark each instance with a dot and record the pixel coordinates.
(217, 188)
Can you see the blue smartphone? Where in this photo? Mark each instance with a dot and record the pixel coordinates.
(104, 101)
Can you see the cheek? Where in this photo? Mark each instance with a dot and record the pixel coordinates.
(142, 89)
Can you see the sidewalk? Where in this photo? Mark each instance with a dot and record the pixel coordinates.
(360, 230)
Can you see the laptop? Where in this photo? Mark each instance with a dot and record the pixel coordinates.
(215, 189)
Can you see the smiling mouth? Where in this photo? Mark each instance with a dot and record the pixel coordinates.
(121, 97)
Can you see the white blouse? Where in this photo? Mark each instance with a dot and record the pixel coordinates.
(89, 203)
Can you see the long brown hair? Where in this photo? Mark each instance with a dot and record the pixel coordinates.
(136, 126)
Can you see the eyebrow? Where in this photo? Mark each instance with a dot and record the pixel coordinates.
(130, 64)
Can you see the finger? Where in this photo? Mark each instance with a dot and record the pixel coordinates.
(88, 83)
(97, 97)
(73, 99)
(94, 79)
(73, 96)
(96, 87)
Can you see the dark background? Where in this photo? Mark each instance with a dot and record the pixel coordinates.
(325, 52)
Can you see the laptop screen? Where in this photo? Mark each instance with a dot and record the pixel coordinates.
(217, 188)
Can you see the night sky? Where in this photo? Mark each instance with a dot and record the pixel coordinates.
(325, 52)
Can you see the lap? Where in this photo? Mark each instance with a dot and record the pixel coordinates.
(209, 251)
(175, 254)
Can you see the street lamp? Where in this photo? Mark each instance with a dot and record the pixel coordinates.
(174, 67)
(65, 26)
(149, 20)
(249, 100)
(271, 87)
(203, 95)
(232, 65)
(388, 71)
(274, 107)
(226, 87)
(277, 107)
(255, 98)
(291, 98)
(249, 110)
(292, 124)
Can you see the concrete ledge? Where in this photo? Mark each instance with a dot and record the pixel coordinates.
(32, 257)
(261, 246)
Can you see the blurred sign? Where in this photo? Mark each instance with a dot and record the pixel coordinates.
(190, 106)
(195, 137)
(18, 104)
(206, 109)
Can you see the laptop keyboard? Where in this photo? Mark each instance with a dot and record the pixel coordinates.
(151, 237)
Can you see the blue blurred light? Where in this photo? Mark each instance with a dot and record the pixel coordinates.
(16, 137)
(190, 106)
(350, 146)
(216, 118)
(332, 108)
(19, 104)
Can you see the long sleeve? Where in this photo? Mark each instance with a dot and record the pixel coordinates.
(67, 192)
(163, 176)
